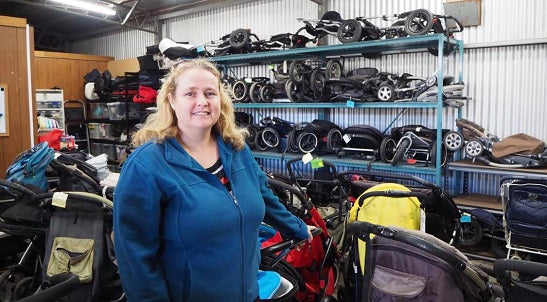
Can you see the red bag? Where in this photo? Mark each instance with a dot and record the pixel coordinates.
(53, 138)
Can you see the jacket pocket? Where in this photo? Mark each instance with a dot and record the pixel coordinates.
(72, 255)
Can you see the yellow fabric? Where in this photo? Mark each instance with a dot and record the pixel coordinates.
(387, 211)
(73, 255)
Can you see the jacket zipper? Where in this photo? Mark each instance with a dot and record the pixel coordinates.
(242, 245)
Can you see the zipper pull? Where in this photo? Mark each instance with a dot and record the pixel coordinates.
(233, 197)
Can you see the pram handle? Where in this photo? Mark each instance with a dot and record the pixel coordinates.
(288, 187)
(503, 266)
(64, 285)
(83, 196)
(291, 172)
(17, 187)
(287, 244)
(391, 193)
(421, 181)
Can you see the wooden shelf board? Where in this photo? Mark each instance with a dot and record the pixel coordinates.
(479, 201)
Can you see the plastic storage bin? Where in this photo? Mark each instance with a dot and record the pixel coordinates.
(94, 130)
(98, 110)
(116, 110)
(110, 150)
(96, 149)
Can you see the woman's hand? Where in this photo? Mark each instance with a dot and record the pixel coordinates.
(310, 236)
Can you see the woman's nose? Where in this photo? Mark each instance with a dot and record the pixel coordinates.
(201, 100)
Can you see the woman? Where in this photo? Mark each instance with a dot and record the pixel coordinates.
(190, 199)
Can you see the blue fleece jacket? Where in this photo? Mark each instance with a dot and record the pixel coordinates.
(181, 236)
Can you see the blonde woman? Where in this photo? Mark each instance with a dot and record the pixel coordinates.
(191, 197)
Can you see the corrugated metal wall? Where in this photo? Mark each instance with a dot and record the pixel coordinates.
(507, 83)
(121, 44)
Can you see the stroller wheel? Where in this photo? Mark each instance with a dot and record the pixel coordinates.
(470, 233)
(254, 92)
(239, 38)
(400, 151)
(307, 142)
(385, 92)
(474, 148)
(418, 22)
(240, 91)
(267, 93)
(433, 154)
(350, 31)
(333, 69)
(453, 140)
(334, 140)
(253, 129)
(296, 71)
(271, 137)
(387, 149)
(260, 144)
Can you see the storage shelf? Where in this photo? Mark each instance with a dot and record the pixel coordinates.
(466, 165)
(376, 46)
(357, 163)
(339, 105)
(488, 202)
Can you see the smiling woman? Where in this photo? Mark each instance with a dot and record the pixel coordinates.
(201, 198)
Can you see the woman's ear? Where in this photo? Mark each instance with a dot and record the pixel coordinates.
(171, 100)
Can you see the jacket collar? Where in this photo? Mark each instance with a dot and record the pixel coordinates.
(176, 155)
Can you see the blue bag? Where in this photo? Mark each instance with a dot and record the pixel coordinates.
(30, 166)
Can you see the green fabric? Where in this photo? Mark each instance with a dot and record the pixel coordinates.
(73, 255)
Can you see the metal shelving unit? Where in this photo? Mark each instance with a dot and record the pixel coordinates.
(399, 45)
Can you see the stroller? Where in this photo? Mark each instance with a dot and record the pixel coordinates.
(516, 151)
(411, 265)
(523, 288)
(525, 214)
(313, 137)
(314, 261)
(361, 139)
(67, 232)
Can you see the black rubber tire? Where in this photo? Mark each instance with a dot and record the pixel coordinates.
(292, 143)
(250, 140)
(260, 144)
(400, 151)
(334, 140)
(498, 246)
(387, 149)
(433, 154)
(267, 93)
(240, 90)
(333, 69)
(254, 92)
(296, 71)
(291, 90)
(419, 22)
(307, 142)
(239, 38)
(317, 82)
(350, 31)
(271, 137)
(471, 233)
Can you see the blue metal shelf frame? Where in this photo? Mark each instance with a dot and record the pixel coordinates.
(436, 41)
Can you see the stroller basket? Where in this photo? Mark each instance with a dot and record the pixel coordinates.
(413, 265)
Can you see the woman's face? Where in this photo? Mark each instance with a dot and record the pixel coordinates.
(196, 100)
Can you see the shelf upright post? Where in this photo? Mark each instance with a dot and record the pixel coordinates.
(439, 109)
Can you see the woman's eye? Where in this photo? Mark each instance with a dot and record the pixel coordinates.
(189, 94)
(211, 93)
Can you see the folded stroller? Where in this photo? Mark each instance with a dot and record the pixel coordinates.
(523, 288)
(524, 204)
(414, 266)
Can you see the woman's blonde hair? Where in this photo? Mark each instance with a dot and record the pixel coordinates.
(163, 123)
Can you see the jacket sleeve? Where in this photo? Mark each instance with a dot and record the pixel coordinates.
(277, 214)
(137, 213)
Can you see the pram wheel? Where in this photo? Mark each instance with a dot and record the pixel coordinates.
(271, 137)
(433, 154)
(333, 69)
(402, 146)
(474, 148)
(334, 140)
(253, 129)
(296, 71)
(418, 22)
(307, 142)
(387, 149)
(240, 91)
(254, 92)
(317, 81)
(239, 38)
(453, 140)
(470, 233)
(260, 144)
(350, 31)
(267, 93)
(385, 92)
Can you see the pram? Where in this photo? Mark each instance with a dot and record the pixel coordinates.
(361, 139)
(313, 261)
(516, 151)
(523, 288)
(414, 266)
(66, 232)
(524, 204)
